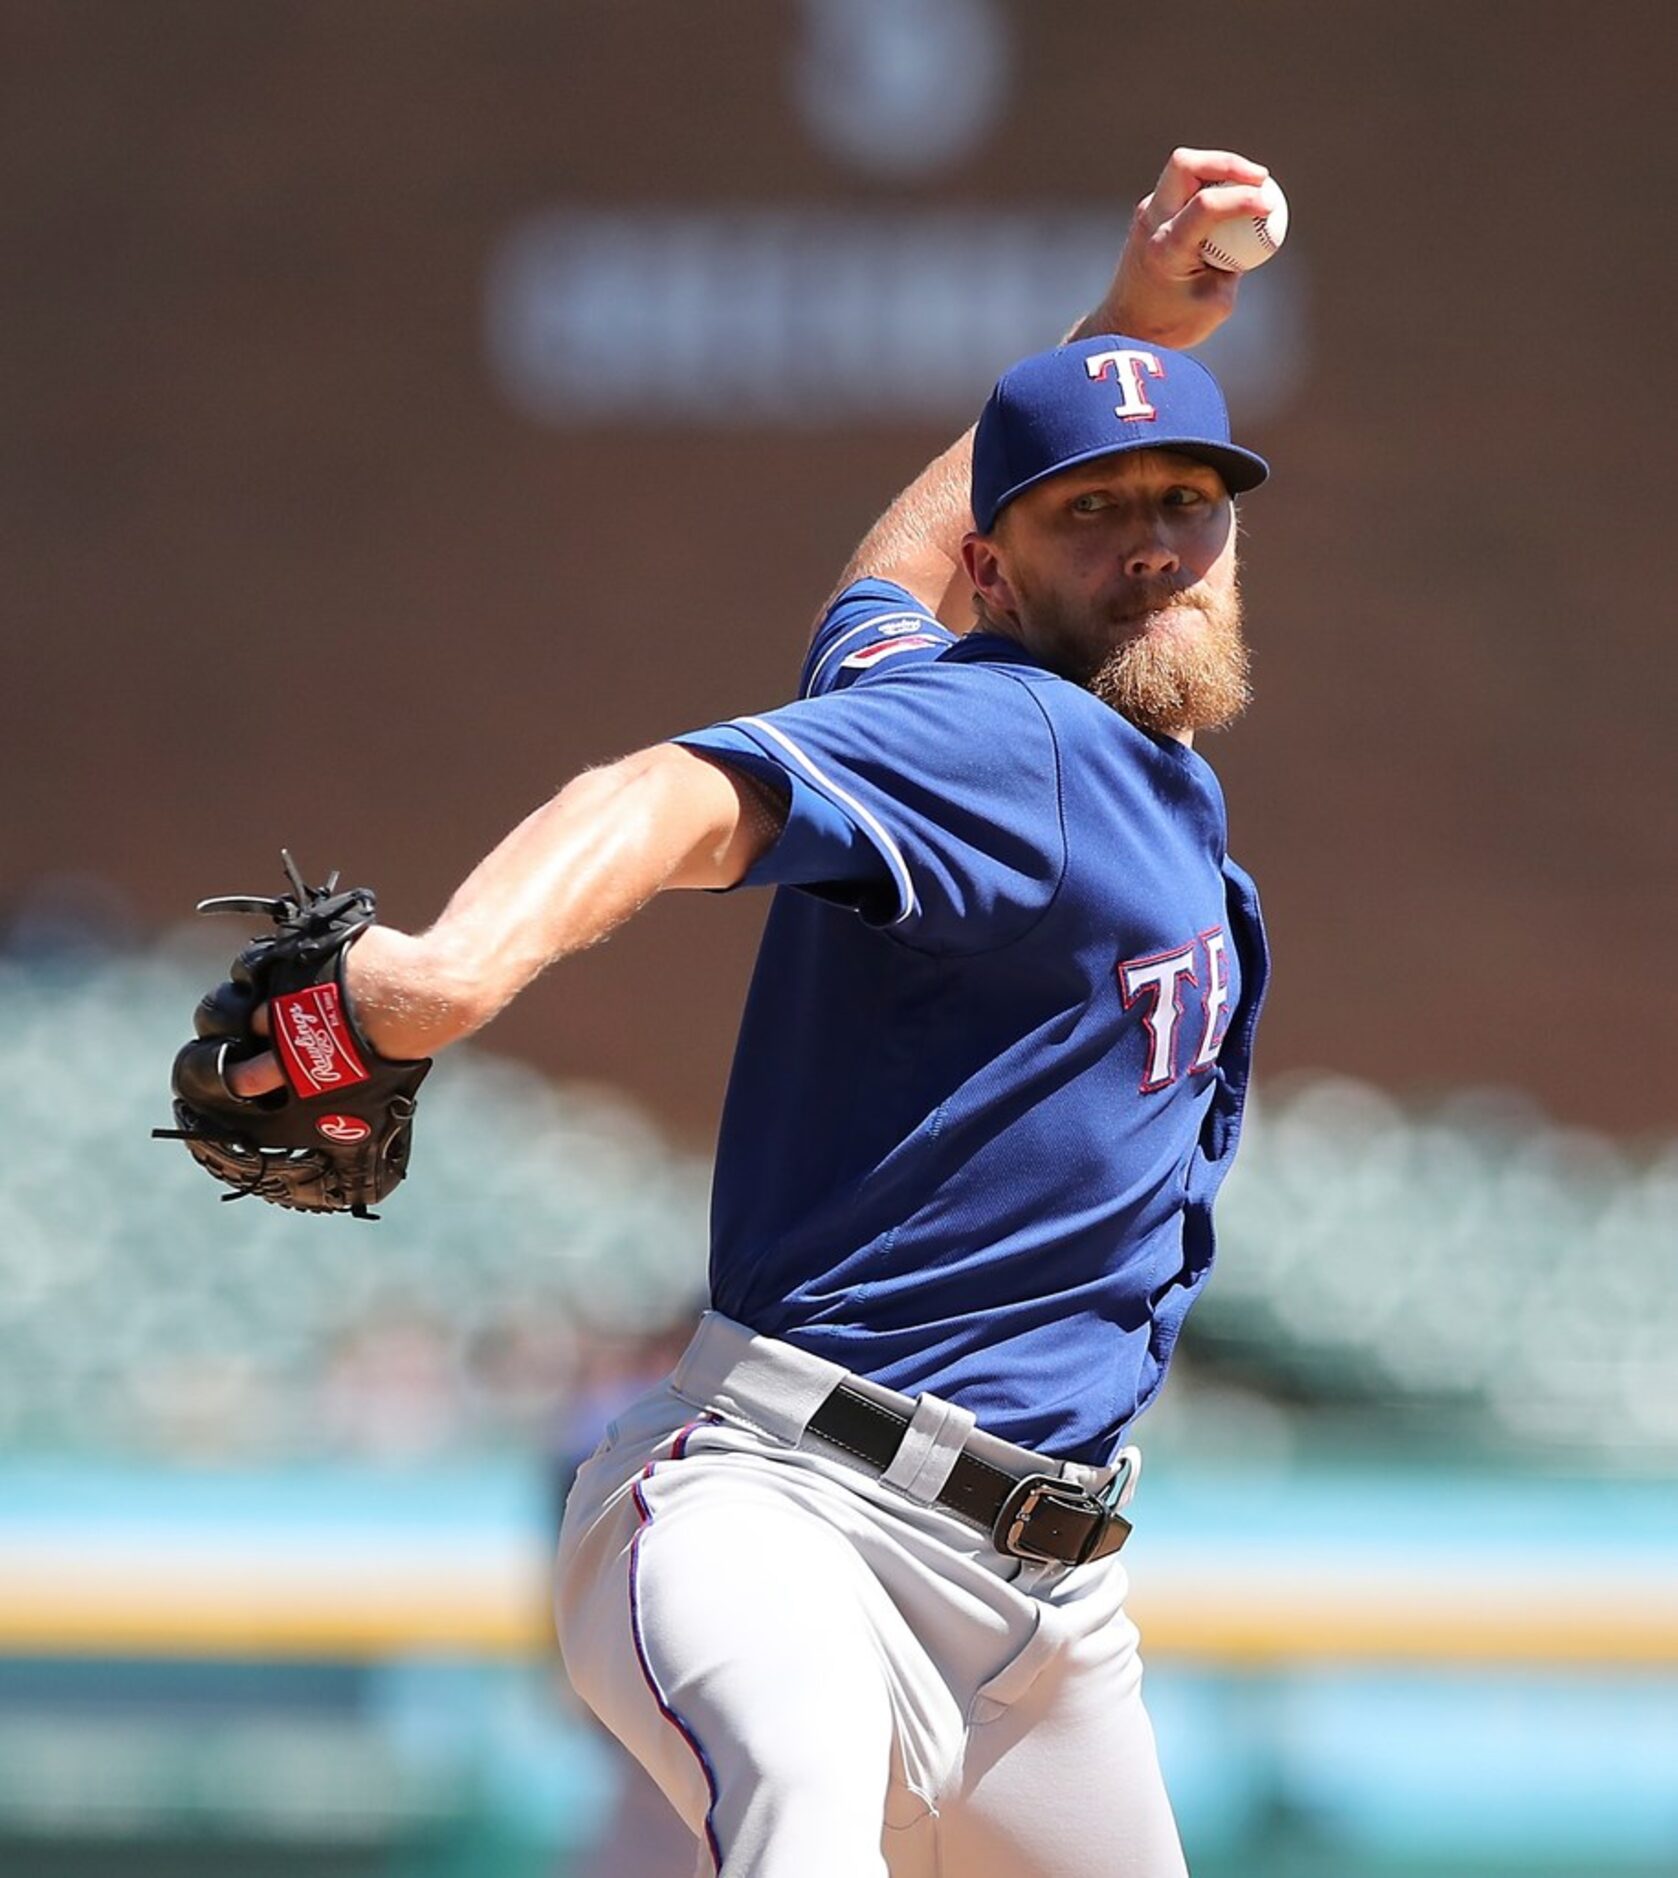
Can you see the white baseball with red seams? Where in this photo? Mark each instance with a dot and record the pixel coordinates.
(1238, 247)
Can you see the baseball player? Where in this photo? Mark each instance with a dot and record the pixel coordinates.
(848, 1583)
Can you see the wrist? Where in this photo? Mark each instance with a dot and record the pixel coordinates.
(1156, 298)
(1159, 319)
(1180, 322)
(410, 996)
(451, 996)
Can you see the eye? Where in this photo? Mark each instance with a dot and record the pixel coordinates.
(1089, 502)
(1185, 496)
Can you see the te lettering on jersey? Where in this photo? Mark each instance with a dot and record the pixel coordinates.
(1157, 988)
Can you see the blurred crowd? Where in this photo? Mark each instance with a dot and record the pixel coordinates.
(1457, 1264)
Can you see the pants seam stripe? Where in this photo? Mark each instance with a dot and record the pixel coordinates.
(677, 1721)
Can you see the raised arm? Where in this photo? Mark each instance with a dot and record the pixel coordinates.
(1160, 290)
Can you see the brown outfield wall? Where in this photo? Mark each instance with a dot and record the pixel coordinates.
(294, 553)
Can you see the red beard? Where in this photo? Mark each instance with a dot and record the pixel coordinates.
(1168, 680)
(1181, 665)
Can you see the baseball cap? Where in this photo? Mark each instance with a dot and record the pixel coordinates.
(1093, 398)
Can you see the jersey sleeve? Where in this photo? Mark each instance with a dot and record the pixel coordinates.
(874, 626)
(928, 799)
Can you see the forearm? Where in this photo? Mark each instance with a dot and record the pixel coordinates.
(569, 875)
(917, 541)
(564, 879)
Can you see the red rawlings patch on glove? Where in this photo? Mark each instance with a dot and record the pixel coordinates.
(313, 1038)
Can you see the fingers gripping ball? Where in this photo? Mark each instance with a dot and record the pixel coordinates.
(336, 1137)
(1237, 247)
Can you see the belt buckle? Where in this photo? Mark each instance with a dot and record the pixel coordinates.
(1063, 1496)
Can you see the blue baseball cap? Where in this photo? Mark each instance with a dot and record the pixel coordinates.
(1094, 398)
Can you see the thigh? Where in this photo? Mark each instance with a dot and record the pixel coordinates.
(723, 1632)
(1062, 1779)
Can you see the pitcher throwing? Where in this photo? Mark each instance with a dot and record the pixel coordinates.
(849, 1583)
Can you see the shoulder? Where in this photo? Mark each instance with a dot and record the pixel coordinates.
(870, 626)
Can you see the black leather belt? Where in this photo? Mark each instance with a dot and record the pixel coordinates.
(1030, 1515)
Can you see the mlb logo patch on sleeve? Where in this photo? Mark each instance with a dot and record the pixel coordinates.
(885, 648)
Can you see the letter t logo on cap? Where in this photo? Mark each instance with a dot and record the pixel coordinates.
(1128, 368)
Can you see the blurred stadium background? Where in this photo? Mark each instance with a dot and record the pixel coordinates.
(408, 404)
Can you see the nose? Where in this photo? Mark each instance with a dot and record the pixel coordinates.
(1150, 556)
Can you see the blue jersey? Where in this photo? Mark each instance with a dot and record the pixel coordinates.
(991, 1068)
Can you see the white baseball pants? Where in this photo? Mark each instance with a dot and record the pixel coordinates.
(829, 1679)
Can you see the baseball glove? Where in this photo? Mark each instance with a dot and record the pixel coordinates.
(335, 1138)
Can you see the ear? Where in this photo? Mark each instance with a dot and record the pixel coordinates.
(983, 561)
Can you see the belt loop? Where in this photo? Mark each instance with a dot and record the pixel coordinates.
(1120, 1490)
(765, 1384)
(931, 1445)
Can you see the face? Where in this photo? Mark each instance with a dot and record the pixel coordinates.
(1120, 574)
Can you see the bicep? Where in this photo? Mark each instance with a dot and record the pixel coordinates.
(735, 818)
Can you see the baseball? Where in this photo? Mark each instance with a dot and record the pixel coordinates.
(1237, 247)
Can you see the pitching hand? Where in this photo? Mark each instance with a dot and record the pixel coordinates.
(1162, 289)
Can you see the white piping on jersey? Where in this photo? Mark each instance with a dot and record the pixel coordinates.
(888, 847)
(868, 625)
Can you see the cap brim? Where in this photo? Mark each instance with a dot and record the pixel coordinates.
(1241, 469)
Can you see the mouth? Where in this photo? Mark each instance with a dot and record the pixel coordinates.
(1158, 615)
